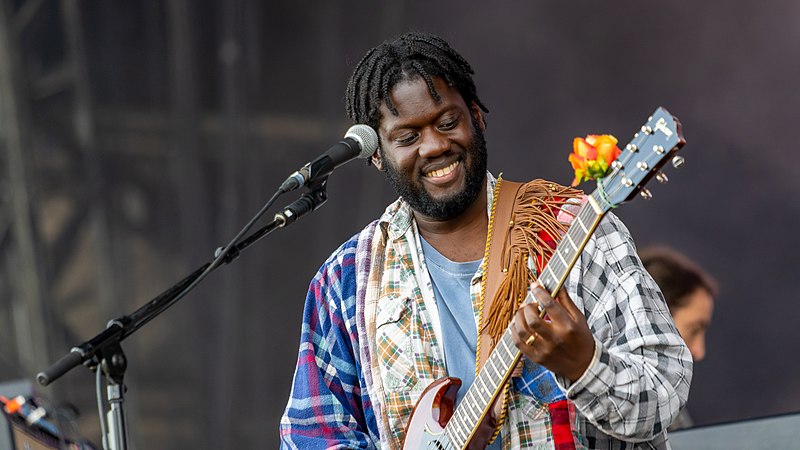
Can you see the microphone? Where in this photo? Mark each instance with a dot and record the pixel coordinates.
(360, 141)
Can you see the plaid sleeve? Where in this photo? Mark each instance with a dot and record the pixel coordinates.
(327, 407)
(639, 378)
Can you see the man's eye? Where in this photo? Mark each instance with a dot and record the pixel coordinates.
(406, 139)
(448, 125)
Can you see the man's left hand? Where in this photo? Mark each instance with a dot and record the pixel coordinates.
(562, 341)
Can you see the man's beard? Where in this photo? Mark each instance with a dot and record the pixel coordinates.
(449, 207)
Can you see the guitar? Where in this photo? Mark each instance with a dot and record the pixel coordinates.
(435, 424)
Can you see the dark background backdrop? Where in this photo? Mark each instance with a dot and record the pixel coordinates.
(139, 136)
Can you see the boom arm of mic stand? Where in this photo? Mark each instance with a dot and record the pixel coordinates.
(88, 353)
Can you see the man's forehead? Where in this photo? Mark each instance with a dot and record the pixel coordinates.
(413, 96)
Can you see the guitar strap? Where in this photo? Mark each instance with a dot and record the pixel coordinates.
(523, 225)
(505, 194)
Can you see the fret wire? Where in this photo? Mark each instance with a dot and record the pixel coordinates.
(498, 364)
(571, 242)
(448, 433)
(497, 372)
(588, 212)
(586, 216)
(465, 426)
(580, 222)
(462, 419)
(511, 353)
(489, 384)
(462, 435)
(508, 337)
(450, 437)
(486, 391)
(556, 264)
(566, 251)
(499, 367)
(563, 261)
(574, 233)
(548, 281)
(473, 413)
(470, 419)
(553, 276)
(459, 433)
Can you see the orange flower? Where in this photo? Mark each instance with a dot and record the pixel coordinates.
(591, 157)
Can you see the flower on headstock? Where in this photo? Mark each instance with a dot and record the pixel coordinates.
(592, 156)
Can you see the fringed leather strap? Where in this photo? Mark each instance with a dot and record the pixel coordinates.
(523, 224)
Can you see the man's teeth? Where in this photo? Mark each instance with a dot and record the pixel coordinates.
(442, 172)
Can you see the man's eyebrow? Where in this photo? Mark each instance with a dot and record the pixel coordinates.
(439, 114)
(396, 127)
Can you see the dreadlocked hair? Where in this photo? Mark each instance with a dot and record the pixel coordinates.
(409, 55)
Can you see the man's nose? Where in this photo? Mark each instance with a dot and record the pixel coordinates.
(433, 144)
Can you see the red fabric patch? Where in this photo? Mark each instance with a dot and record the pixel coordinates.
(562, 428)
(550, 241)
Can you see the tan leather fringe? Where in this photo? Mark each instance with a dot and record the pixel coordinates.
(535, 209)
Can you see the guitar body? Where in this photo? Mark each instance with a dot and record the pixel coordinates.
(425, 429)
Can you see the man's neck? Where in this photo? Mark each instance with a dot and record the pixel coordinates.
(462, 238)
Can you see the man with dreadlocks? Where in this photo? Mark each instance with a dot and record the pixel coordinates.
(401, 304)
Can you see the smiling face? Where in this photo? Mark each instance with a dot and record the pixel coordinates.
(433, 153)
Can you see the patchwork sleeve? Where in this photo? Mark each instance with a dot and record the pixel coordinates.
(327, 408)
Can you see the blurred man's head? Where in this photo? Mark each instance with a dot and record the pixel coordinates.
(689, 292)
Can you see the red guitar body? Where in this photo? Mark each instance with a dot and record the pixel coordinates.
(425, 429)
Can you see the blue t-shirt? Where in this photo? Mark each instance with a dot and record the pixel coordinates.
(451, 283)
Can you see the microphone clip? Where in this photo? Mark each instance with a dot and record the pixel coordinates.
(297, 179)
(315, 195)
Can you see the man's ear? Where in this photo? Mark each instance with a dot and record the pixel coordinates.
(377, 161)
(477, 114)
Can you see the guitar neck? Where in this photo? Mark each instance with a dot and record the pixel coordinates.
(501, 362)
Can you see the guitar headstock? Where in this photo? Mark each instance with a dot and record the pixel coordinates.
(644, 156)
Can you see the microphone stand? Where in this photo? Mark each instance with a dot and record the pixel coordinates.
(104, 352)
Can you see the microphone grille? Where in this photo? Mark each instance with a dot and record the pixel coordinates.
(366, 137)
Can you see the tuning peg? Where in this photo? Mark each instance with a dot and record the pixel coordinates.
(662, 177)
(678, 161)
(645, 193)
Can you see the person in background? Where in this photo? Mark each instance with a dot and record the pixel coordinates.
(690, 294)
